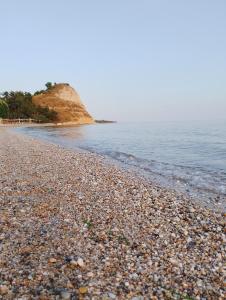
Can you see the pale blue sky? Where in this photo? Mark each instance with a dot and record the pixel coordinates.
(128, 59)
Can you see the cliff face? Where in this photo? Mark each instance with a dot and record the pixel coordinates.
(66, 102)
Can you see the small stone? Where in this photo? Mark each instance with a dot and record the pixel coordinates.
(219, 228)
(65, 295)
(185, 285)
(83, 290)
(168, 294)
(111, 295)
(3, 290)
(70, 285)
(52, 260)
(173, 261)
(134, 276)
(199, 283)
(90, 274)
(73, 262)
(42, 297)
(80, 262)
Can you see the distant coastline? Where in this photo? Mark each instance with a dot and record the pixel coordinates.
(104, 121)
(31, 123)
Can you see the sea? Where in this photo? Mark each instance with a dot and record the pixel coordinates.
(189, 157)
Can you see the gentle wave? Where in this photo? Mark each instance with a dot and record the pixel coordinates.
(194, 178)
(190, 158)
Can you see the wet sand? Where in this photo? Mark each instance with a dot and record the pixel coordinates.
(75, 227)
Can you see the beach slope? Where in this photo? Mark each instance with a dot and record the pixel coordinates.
(73, 226)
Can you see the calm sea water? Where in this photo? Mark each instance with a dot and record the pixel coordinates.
(188, 157)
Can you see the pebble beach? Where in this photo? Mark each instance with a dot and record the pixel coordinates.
(73, 226)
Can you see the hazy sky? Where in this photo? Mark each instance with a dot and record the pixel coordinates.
(128, 59)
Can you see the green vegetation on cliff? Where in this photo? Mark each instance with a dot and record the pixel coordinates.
(19, 105)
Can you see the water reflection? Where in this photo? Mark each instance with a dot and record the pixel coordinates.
(73, 132)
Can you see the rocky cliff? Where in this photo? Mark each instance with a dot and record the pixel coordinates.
(66, 102)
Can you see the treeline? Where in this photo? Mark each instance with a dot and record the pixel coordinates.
(19, 105)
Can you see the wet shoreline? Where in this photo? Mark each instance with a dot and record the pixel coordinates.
(197, 171)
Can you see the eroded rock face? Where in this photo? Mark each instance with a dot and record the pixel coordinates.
(66, 102)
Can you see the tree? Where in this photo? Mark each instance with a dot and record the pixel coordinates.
(20, 105)
(5, 94)
(39, 92)
(48, 85)
(4, 109)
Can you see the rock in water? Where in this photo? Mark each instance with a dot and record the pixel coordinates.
(66, 102)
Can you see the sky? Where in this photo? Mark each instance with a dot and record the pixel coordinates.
(130, 60)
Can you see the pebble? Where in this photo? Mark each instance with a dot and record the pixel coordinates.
(111, 295)
(83, 290)
(73, 262)
(80, 262)
(65, 295)
(3, 290)
(90, 274)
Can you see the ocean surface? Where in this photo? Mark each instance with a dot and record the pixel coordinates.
(188, 157)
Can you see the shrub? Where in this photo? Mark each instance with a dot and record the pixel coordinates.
(17, 105)
(4, 109)
(48, 85)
